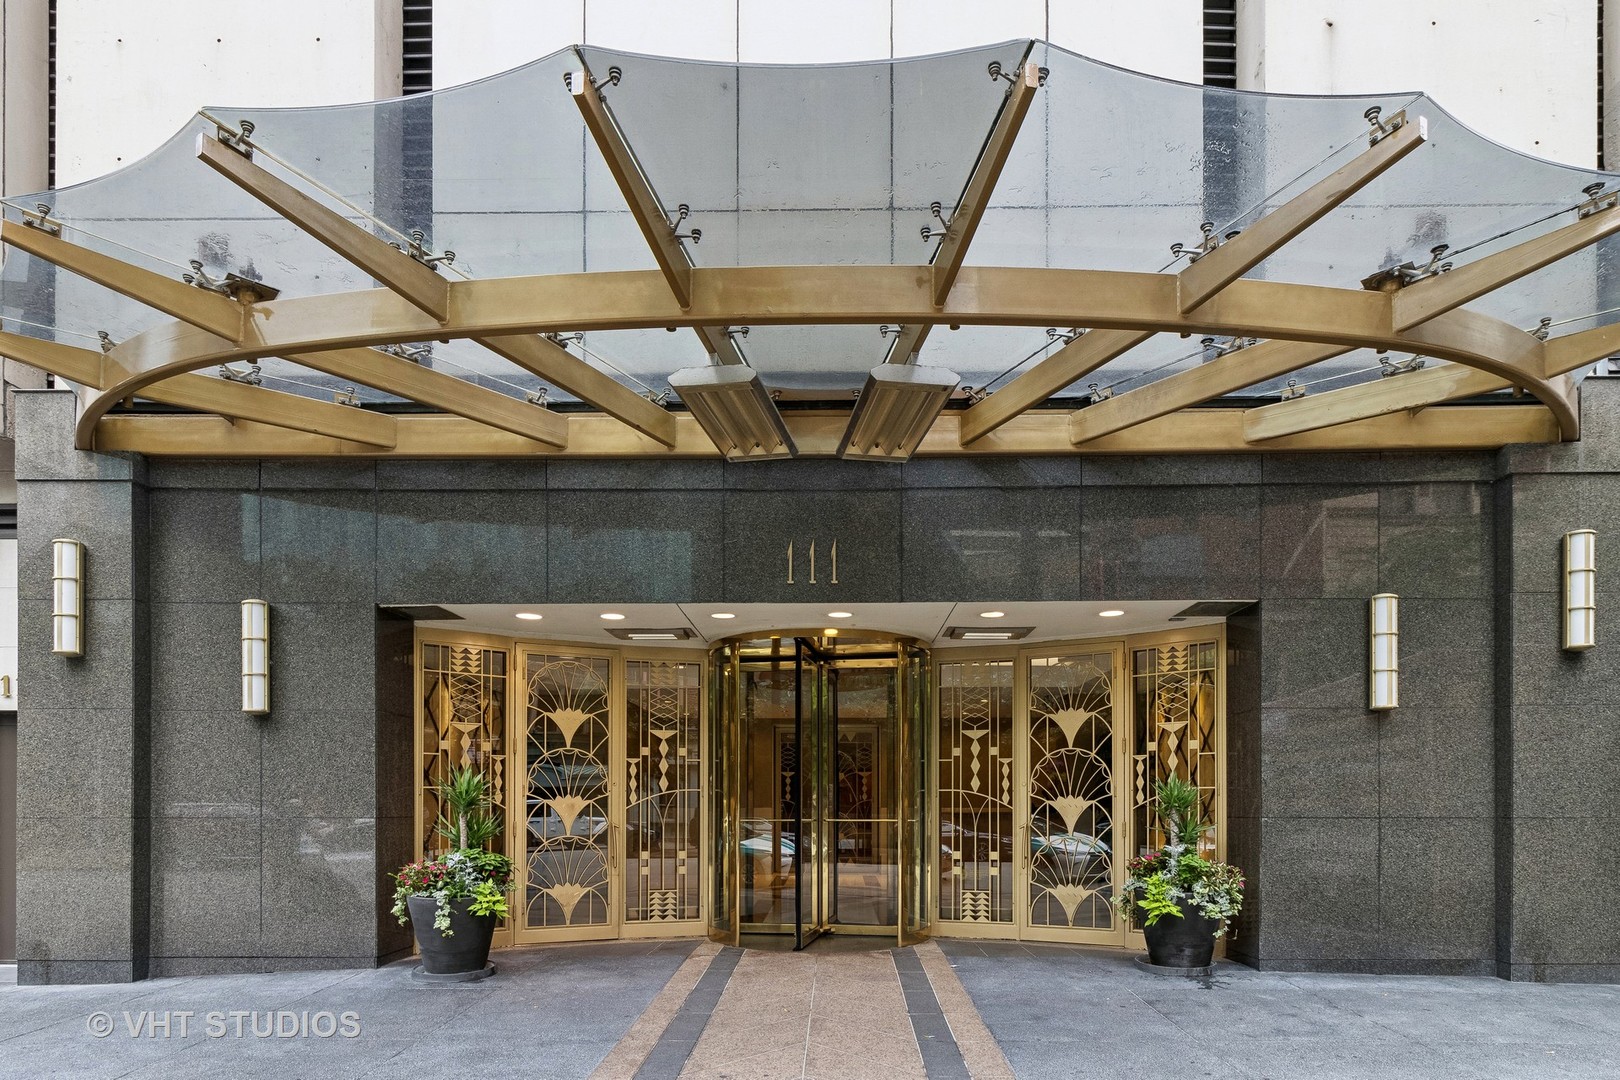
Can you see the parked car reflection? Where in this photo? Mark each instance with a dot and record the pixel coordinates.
(1077, 851)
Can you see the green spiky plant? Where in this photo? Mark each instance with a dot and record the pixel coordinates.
(1160, 883)
(468, 871)
(468, 820)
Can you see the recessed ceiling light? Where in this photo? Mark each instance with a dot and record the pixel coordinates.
(612, 616)
(840, 614)
(530, 615)
(992, 614)
(1110, 613)
(722, 615)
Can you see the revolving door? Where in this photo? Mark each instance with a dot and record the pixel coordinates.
(819, 786)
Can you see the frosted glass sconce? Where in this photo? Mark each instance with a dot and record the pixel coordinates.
(255, 657)
(1580, 588)
(1383, 684)
(67, 593)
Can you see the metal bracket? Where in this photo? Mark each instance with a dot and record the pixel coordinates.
(107, 343)
(346, 396)
(1400, 367)
(998, 72)
(885, 331)
(735, 332)
(938, 210)
(562, 341)
(614, 74)
(682, 212)
(40, 218)
(540, 397)
(1382, 129)
(1543, 328)
(1206, 243)
(1227, 347)
(417, 354)
(1099, 393)
(240, 141)
(1597, 200)
(1291, 391)
(1399, 277)
(418, 250)
(238, 288)
(1068, 337)
(975, 394)
(250, 377)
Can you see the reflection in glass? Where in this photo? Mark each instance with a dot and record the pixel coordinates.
(566, 757)
(1071, 806)
(866, 841)
(662, 792)
(976, 791)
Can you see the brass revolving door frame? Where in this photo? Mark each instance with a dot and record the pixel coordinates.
(805, 664)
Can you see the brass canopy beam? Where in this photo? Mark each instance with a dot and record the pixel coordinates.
(1395, 395)
(237, 401)
(673, 259)
(1216, 269)
(1140, 304)
(1051, 375)
(415, 281)
(422, 286)
(1422, 300)
(217, 314)
(1464, 427)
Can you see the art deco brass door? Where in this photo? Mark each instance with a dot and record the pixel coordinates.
(567, 879)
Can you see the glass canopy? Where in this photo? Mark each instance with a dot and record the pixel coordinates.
(783, 166)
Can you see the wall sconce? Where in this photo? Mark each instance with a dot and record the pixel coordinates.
(255, 657)
(1383, 684)
(1580, 590)
(67, 592)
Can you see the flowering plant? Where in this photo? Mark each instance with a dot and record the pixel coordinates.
(467, 872)
(1159, 883)
(464, 874)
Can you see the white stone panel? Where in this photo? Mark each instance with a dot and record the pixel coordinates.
(827, 32)
(694, 29)
(130, 75)
(1523, 74)
(478, 38)
(931, 26)
(1160, 37)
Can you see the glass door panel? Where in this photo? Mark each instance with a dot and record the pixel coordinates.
(976, 801)
(768, 787)
(865, 797)
(1071, 834)
(810, 801)
(1176, 712)
(663, 789)
(725, 772)
(919, 841)
(568, 880)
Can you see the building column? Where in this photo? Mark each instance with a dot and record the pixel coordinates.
(1558, 745)
(83, 727)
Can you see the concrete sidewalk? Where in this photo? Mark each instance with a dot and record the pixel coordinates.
(841, 1010)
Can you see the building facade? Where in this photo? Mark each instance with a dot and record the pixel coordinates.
(1026, 638)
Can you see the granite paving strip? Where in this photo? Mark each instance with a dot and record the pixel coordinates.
(980, 1052)
(942, 1059)
(627, 1056)
(681, 1034)
(834, 1015)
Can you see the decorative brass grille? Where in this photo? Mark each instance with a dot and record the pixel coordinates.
(1176, 733)
(1071, 791)
(663, 790)
(976, 791)
(463, 723)
(567, 757)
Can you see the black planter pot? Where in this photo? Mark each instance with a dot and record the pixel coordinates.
(1185, 942)
(467, 947)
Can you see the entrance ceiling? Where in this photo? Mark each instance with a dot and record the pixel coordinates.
(929, 623)
(1011, 249)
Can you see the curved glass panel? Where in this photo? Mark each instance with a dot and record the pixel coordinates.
(835, 164)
